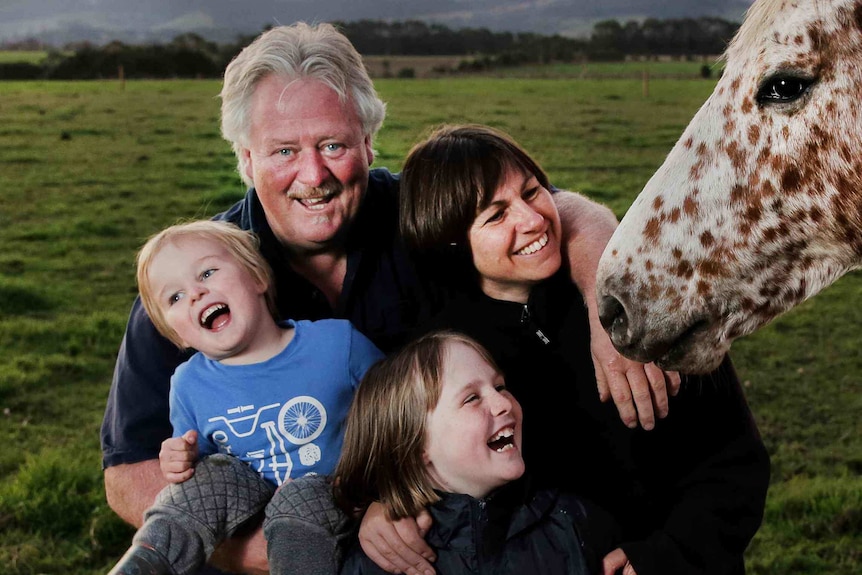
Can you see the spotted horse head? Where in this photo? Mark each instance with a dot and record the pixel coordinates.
(759, 204)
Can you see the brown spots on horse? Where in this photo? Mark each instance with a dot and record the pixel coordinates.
(798, 216)
(676, 253)
(776, 163)
(773, 233)
(722, 254)
(707, 239)
(738, 194)
(648, 265)
(764, 157)
(753, 133)
(703, 155)
(683, 269)
(816, 215)
(652, 229)
(657, 203)
(708, 268)
(815, 36)
(798, 39)
(754, 212)
(791, 180)
(654, 292)
(820, 139)
(846, 154)
(847, 187)
(673, 215)
(688, 143)
(690, 207)
(734, 85)
(627, 277)
(703, 288)
(747, 106)
(730, 126)
(736, 154)
(806, 61)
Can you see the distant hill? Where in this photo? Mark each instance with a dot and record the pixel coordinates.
(58, 22)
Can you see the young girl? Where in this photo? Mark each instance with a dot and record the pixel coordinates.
(435, 426)
(261, 402)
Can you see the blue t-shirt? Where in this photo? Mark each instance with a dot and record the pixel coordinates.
(284, 416)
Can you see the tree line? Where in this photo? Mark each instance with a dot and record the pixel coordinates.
(191, 56)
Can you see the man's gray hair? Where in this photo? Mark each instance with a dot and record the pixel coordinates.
(297, 51)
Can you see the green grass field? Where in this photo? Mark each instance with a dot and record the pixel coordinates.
(24, 56)
(90, 170)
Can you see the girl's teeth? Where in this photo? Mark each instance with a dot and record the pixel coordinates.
(502, 440)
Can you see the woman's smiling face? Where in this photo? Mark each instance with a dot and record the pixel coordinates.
(515, 240)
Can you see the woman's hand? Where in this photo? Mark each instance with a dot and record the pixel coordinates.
(640, 391)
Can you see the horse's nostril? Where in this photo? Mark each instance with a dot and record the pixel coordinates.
(613, 316)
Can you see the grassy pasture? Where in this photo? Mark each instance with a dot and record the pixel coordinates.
(89, 170)
(24, 56)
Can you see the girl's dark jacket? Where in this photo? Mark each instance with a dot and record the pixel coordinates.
(511, 532)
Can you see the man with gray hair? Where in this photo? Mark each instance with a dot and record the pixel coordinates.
(301, 114)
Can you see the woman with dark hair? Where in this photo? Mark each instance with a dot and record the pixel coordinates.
(477, 211)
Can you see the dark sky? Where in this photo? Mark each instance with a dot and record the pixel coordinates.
(21, 18)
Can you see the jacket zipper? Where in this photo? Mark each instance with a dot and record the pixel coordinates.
(526, 319)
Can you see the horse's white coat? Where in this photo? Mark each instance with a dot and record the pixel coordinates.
(759, 204)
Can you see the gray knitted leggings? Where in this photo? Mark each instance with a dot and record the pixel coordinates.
(303, 527)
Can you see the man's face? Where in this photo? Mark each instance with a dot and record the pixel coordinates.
(309, 160)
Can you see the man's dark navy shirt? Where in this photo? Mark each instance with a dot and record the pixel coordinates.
(381, 295)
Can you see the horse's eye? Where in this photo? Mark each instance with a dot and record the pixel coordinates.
(783, 89)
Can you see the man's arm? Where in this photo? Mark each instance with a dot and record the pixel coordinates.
(639, 391)
(131, 489)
